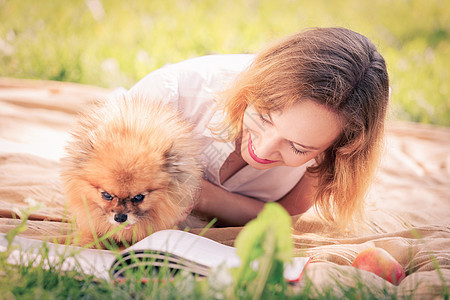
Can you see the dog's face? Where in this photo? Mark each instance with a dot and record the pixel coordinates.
(131, 189)
(132, 165)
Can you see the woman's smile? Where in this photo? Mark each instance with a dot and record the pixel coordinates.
(251, 151)
(290, 137)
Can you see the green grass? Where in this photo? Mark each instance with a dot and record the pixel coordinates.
(36, 283)
(65, 40)
(28, 282)
(266, 239)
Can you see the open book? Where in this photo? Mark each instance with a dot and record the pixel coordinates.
(178, 250)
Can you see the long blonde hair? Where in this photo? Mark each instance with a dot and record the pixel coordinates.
(343, 71)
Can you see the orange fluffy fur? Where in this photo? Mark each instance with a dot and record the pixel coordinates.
(128, 146)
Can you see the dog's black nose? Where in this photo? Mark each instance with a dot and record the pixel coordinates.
(120, 218)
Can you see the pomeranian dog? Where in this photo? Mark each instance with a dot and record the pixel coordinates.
(132, 166)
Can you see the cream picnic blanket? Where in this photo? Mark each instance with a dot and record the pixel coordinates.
(408, 209)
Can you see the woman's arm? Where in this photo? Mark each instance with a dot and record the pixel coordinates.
(231, 209)
(236, 210)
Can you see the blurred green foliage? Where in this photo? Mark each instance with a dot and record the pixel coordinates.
(113, 43)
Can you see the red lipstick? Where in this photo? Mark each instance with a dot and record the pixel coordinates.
(253, 155)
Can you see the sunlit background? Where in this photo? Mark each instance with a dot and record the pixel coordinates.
(115, 43)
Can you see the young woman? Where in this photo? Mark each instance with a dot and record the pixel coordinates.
(300, 123)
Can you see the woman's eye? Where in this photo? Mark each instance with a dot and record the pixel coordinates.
(107, 196)
(138, 198)
(296, 151)
(264, 118)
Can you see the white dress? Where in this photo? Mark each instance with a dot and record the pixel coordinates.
(192, 86)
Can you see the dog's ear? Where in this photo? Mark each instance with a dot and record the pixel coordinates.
(173, 162)
(184, 167)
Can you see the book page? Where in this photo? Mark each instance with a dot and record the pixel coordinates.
(191, 247)
(207, 252)
(88, 261)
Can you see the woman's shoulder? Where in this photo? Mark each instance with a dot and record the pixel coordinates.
(209, 70)
(210, 73)
(216, 61)
(216, 69)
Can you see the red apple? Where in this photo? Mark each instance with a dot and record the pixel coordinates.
(381, 263)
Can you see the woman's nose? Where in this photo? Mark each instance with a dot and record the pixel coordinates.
(267, 145)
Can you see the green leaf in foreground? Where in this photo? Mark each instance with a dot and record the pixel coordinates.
(264, 244)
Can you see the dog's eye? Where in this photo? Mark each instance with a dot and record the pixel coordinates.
(138, 198)
(107, 196)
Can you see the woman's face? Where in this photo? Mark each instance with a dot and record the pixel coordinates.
(290, 137)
